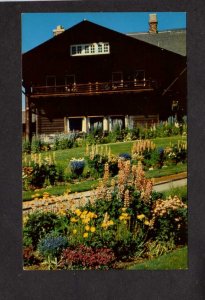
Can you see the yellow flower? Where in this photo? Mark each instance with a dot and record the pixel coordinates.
(147, 222)
(111, 222)
(104, 225)
(124, 209)
(87, 227)
(78, 212)
(86, 220)
(74, 231)
(73, 220)
(121, 218)
(92, 229)
(140, 217)
(84, 212)
(125, 215)
(85, 235)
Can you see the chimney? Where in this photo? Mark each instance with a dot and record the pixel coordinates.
(59, 29)
(153, 23)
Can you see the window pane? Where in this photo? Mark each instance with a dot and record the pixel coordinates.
(86, 49)
(73, 50)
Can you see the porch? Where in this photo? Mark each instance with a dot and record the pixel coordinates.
(75, 89)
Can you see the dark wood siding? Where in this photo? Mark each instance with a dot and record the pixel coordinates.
(48, 125)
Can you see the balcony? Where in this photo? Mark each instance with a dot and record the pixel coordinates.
(97, 88)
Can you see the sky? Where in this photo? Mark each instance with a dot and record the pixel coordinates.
(37, 27)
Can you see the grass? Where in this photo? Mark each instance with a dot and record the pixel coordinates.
(176, 260)
(181, 192)
(63, 157)
(167, 171)
(60, 189)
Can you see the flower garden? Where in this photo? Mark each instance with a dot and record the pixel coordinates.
(121, 220)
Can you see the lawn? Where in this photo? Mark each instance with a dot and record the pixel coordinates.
(176, 260)
(63, 157)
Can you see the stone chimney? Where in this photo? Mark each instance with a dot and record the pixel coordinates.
(153, 23)
(59, 29)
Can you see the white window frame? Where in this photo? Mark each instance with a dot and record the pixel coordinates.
(90, 49)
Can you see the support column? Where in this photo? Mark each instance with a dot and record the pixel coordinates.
(37, 122)
(126, 121)
(66, 125)
(110, 123)
(105, 124)
(28, 118)
(84, 125)
(88, 124)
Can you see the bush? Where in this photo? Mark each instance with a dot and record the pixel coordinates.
(77, 166)
(28, 256)
(157, 158)
(83, 257)
(170, 220)
(40, 174)
(36, 145)
(97, 163)
(38, 225)
(26, 147)
(65, 141)
(52, 245)
(125, 156)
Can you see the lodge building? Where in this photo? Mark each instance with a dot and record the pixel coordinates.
(90, 76)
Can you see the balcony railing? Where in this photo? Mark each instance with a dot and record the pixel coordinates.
(93, 88)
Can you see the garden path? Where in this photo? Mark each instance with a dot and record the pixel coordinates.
(160, 184)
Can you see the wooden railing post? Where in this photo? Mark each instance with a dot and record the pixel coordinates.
(28, 118)
(90, 87)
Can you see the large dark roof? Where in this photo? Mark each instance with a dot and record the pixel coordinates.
(172, 40)
(152, 39)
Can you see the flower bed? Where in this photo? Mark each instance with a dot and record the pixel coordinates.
(119, 222)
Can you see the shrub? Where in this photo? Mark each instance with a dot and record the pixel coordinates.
(65, 141)
(157, 158)
(36, 145)
(169, 220)
(177, 153)
(77, 166)
(28, 256)
(52, 245)
(83, 257)
(39, 173)
(38, 225)
(97, 164)
(26, 147)
(125, 156)
(42, 172)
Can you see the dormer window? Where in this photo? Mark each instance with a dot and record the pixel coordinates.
(90, 49)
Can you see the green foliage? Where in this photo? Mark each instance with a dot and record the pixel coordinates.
(77, 166)
(26, 146)
(176, 260)
(52, 245)
(172, 226)
(64, 143)
(41, 173)
(29, 257)
(97, 164)
(36, 145)
(38, 225)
